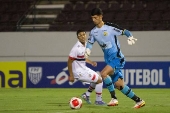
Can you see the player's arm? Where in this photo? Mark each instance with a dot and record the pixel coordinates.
(89, 45)
(91, 62)
(88, 49)
(121, 31)
(69, 65)
(130, 40)
(127, 33)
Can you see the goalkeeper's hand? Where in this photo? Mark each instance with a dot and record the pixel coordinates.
(87, 52)
(131, 40)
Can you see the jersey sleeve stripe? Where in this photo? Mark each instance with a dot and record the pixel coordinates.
(116, 26)
(72, 58)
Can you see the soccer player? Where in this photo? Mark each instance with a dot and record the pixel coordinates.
(105, 34)
(78, 70)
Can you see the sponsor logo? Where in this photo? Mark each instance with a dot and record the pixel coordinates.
(13, 74)
(60, 79)
(35, 74)
(144, 77)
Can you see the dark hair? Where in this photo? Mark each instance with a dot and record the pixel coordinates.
(78, 31)
(96, 11)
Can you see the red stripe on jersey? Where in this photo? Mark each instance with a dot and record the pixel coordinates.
(94, 76)
(80, 56)
(72, 58)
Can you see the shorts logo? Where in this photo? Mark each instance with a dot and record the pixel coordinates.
(35, 74)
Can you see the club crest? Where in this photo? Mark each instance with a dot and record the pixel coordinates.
(35, 74)
(105, 33)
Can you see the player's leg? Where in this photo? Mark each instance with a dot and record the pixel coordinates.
(95, 83)
(82, 75)
(86, 95)
(109, 70)
(98, 90)
(116, 62)
(127, 91)
(113, 101)
(107, 80)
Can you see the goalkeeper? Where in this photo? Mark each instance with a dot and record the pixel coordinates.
(105, 34)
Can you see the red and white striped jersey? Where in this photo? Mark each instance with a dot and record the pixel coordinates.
(77, 53)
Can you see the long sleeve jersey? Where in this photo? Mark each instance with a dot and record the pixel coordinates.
(106, 36)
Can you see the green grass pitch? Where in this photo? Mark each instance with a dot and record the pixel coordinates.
(55, 100)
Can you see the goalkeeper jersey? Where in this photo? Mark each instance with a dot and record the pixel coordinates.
(106, 36)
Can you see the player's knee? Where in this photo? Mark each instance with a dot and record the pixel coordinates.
(119, 84)
(99, 80)
(119, 87)
(103, 74)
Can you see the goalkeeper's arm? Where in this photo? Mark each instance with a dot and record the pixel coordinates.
(88, 49)
(130, 40)
(127, 33)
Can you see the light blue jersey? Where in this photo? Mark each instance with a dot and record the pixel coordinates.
(106, 36)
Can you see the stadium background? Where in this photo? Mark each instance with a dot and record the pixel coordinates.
(35, 45)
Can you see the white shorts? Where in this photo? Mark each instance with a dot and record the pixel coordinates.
(86, 75)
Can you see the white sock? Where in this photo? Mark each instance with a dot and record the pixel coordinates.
(98, 89)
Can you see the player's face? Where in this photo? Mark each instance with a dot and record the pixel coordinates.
(82, 37)
(97, 19)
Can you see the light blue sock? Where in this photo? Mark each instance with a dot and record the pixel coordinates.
(109, 84)
(127, 91)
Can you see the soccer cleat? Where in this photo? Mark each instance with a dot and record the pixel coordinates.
(86, 98)
(100, 103)
(139, 104)
(113, 102)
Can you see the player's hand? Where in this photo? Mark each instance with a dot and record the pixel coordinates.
(131, 40)
(71, 78)
(94, 64)
(87, 52)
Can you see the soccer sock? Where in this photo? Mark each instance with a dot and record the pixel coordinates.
(127, 91)
(113, 95)
(98, 90)
(109, 84)
(136, 98)
(90, 89)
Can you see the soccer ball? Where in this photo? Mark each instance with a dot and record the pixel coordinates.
(75, 103)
